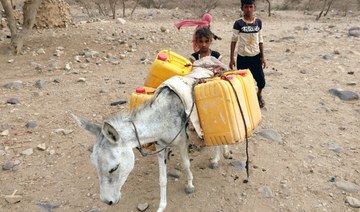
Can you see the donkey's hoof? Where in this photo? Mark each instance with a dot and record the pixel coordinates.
(228, 156)
(189, 190)
(213, 165)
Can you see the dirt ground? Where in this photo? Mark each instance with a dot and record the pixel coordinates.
(305, 59)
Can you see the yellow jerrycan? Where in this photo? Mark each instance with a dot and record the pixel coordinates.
(140, 96)
(219, 112)
(166, 65)
(250, 94)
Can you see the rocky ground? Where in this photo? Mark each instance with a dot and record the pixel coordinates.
(304, 154)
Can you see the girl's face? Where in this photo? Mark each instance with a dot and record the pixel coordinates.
(204, 44)
(248, 9)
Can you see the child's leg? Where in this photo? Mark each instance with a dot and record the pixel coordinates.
(258, 73)
(255, 66)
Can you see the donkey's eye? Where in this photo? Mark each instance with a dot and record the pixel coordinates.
(114, 169)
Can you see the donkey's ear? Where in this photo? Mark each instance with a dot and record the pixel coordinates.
(87, 125)
(110, 133)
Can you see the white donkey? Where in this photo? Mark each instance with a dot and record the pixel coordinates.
(163, 121)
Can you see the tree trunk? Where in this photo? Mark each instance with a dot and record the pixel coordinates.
(30, 10)
(10, 17)
(133, 9)
(269, 8)
(330, 3)
(322, 10)
(112, 4)
(124, 7)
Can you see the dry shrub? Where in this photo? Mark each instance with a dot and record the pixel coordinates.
(316, 5)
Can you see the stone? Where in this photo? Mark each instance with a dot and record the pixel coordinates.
(47, 206)
(270, 135)
(28, 152)
(63, 131)
(92, 54)
(354, 32)
(31, 125)
(81, 79)
(40, 84)
(328, 57)
(351, 83)
(162, 29)
(353, 202)
(13, 101)
(2, 152)
(335, 147)
(120, 21)
(16, 162)
(41, 147)
(11, 61)
(13, 199)
(288, 38)
(114, 60)
(67, 67)
(77, 58)
(241, 165)
(7, 165)
(53, 66)
(142, 206)
(37, 94)
(174, 173)
(4, 133)
(104, 90)
(17, 85)
(347, 186)
(122, 56)
(344, 94)
(40, 51)
(266, 192)
(120, 102)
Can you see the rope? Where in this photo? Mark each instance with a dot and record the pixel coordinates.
(246, 135)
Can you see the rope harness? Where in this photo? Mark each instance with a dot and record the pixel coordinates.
(144, 153)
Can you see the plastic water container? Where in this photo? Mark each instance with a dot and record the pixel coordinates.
(250, 95)
(166, 65)
(219, 113)
(140, 96)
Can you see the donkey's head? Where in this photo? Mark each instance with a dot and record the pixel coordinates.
(112, 157)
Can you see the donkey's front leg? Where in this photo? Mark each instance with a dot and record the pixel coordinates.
(162, 181)
(186, 163)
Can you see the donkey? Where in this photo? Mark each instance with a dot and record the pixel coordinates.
(163, 121)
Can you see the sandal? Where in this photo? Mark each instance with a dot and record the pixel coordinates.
(261, 102)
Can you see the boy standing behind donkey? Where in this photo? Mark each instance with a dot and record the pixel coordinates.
(247, 32)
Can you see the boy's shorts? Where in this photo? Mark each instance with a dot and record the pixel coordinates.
(255, 66)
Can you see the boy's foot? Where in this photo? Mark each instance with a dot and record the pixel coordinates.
(261, 102)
